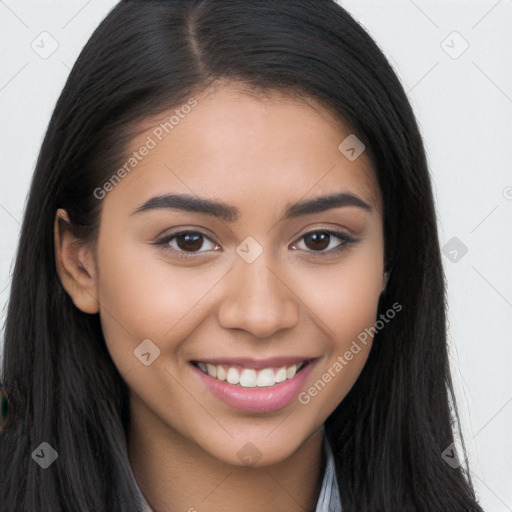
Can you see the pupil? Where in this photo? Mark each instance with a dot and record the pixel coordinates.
(317, 241)
(190, 242)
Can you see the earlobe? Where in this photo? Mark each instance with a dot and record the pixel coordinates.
(75, 265)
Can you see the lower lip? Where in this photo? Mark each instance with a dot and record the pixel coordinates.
(257, 399)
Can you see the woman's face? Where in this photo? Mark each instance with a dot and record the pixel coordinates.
(243, 238)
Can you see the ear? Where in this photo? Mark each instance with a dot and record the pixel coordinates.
(75, 265)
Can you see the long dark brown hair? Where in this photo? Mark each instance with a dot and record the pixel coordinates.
(147, 56)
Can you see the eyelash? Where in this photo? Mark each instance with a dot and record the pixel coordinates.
(343, 237)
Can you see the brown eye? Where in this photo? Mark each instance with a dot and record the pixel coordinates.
(190, 242)
(323, 241)
(317, 241)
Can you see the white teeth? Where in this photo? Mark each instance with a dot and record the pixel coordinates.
(290, 373)
(211, 369)
(233, 377)
(221, 373)
(249, 377)
(266, 378)
(281, 374)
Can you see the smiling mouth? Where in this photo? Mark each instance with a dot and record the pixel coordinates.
(251, 377)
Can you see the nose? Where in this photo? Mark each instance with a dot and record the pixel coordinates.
(258, 300)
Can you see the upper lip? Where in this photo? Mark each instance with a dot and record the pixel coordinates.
(247, 362)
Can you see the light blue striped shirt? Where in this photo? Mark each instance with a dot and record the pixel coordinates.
(329, 498)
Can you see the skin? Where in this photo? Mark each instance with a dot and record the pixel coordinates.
(258, 154)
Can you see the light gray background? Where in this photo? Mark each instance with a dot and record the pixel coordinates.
(464, 105)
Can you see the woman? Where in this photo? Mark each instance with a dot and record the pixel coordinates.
(228, 293)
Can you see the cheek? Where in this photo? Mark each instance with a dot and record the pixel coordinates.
(144, 297)
(345, 305)
(344, 300)
(344, 296)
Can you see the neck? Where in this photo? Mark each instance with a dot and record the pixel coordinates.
(176, 475)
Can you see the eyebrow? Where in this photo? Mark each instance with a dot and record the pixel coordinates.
(218, 209)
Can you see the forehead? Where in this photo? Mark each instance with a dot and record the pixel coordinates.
(233, 141)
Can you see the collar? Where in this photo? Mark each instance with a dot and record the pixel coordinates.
(329, 498)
